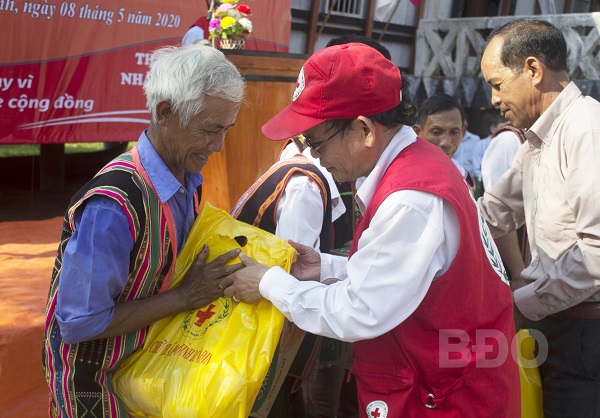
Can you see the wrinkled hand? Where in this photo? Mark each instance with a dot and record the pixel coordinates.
(308, 263)
(243, 284)
(200, 285)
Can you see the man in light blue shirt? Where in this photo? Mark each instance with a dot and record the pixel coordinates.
(124, 229)
(464, 152)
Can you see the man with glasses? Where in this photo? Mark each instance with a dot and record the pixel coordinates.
(423, 295)
(316, 147)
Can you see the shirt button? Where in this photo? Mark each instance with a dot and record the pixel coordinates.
(182, 190)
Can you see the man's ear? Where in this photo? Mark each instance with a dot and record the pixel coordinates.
(367, 128)
(417, 128)
(164, 111)
(534, 69)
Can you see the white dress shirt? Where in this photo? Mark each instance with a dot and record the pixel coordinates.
(300, 210)
(553, 185)
(413, 239)
(498, 157)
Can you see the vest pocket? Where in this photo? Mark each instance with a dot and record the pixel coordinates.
(383, 388)
(382, 384)
(384, 378)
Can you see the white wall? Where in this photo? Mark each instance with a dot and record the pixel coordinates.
(437, 9)
(525, 7)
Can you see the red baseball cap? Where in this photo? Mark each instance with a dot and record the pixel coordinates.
(338, 82)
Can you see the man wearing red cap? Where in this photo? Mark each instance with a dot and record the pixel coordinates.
(423, 295)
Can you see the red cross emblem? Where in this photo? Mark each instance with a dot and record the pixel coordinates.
(377, 409)
(204, 315)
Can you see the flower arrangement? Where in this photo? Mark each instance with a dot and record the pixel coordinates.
(230, 21)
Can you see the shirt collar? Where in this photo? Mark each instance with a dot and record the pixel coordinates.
(462, 170)
(544, 127)
(366, 186)
(164, 182)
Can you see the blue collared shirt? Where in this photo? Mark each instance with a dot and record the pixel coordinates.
(96, 260)
(478, 151)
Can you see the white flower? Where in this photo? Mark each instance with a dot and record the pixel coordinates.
(235, 14)
(246, 24)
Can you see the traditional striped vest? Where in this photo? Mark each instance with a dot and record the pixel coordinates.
(80, 375)
(258, 206)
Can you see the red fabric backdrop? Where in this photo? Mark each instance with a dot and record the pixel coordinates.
(72, 71)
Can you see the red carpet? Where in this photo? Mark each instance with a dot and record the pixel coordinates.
(27, 251)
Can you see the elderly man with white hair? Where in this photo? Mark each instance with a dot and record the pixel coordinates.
(124, 228)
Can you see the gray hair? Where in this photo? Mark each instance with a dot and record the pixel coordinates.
(185, 76)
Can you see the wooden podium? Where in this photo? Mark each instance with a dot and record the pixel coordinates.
(247, 153)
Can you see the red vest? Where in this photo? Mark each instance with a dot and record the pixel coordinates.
(435, 362)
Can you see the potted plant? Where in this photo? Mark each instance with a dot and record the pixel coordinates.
(230, 24)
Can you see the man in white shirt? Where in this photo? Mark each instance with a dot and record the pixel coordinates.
(553, 187)
(423, 271)
(295, 187)
(498, 157)
(197, 32)
(479, 149)
(302, 194)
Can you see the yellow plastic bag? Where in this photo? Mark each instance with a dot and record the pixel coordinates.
(531, 382)
(208, 362)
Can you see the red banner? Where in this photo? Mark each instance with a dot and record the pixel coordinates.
(72, 71)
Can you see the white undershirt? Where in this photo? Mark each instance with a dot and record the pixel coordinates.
(412, 239)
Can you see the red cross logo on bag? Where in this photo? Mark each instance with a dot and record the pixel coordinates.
(204, 315)
(198, 321)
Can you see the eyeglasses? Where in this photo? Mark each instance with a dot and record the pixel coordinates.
(316, 147)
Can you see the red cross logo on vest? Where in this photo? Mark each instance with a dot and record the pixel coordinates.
(377, 409)
(204, 315)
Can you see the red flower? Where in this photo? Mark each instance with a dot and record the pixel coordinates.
(242, 8)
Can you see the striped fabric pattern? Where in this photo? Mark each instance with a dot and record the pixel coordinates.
(68, 367)
(258, 205)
